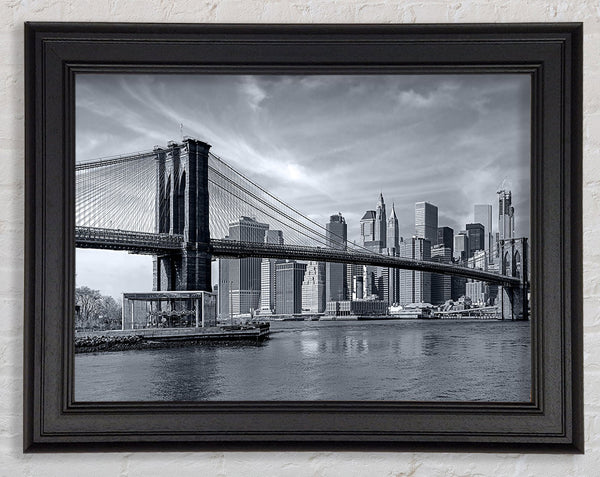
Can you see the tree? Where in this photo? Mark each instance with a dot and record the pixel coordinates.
(96, 311)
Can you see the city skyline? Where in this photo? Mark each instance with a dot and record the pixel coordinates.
(449, 140)
(390, 286)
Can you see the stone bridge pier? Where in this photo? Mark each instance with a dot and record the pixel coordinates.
(182, 208)
(514, 258)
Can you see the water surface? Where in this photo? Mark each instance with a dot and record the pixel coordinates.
(438, 360)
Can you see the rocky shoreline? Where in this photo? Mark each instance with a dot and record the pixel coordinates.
(105, 343)
(92, 344)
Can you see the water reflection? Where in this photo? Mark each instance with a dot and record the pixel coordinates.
(387, 360)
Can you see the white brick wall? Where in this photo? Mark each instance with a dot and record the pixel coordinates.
(13, 463)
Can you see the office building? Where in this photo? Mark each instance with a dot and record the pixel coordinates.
(426, 222)
(380, 223)
(336, 233)
(478, 292)
(352, 272)
(356, 307)
(415, 286)
(393, 232)
(367, 228)
(267, 275)
(506, 215)
(358, 287)
(374, 233)
(373, 227)
(445, 237)
(288, 288)
(476, 234)
(482, 214)
(458, 287)
(461, 246)
(441, 285)
(391, 276)
(313, 288)
(478, 261)
(240, 279)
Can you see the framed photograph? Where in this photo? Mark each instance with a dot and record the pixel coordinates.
(303, 236)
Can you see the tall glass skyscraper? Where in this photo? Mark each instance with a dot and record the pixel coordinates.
(289, 277)
(446, 238)
(336, 235)
(506, 215)
(415, 286)
(482, 214)
(441, 285)
(476, 234)
(426, 221)
(267, 274)
(461, 246)
(239, 279)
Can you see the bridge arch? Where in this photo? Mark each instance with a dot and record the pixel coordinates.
(514, 299)
(516, 265)
(506, 263)
(165, 207)
(181, 204)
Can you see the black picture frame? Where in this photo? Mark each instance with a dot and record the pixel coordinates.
(550, 53)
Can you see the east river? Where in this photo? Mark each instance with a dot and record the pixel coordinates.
(435, 360)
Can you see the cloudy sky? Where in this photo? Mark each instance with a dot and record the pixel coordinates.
(323, 144)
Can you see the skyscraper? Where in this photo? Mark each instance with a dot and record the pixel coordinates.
(336, 235)
(380, 223)
(313, 288)
(426, 221)
(446, 238)
(476, 233)
(239, 279)
(393, 232)
(373, 227)
(415, 286)
(367, 229)
(373, 230)
(461, 245)
(391, 276)
(506, 220)
(482, 214)
(289, 277)
(441, 285)
(352, 271)
(267, 274)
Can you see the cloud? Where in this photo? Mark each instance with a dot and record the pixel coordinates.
(443, 95)
(254, 93)
(414, 99)
(328, 144)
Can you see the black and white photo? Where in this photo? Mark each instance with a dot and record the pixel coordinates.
(303, 237)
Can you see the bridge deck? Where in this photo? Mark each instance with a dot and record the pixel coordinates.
(231, 248)
(135, 242)
(150, 243)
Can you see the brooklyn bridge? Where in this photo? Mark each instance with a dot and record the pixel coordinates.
(176, 203)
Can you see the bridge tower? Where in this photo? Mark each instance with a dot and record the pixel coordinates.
(182, 208)
(513, 255)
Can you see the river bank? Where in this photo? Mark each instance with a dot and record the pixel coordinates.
(154, 338)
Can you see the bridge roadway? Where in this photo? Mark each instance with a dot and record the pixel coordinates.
(134, 242)
(159, 244)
